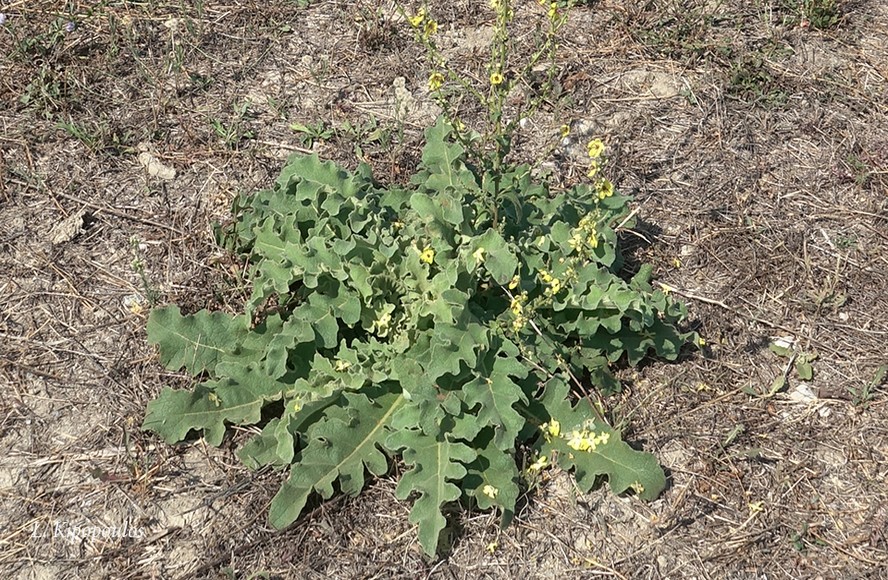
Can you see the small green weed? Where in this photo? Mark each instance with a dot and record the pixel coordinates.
(311, 132)
(751, 81)
(369, 134)
(861, 397)
(859, 170)
(149, 292)
(821, 14)
(236, 130)
(800, 361)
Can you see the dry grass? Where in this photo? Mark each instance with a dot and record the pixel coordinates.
(755, 144)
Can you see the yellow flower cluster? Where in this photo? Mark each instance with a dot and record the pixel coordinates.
(518, 310)
(552, 429)
(418, 18)
(586, 440)
(429, 26)
(518, 302)
(435, 81)
(578, 439)
(603, 187)
(541, 463)
(553, 10)
(585, 234)
(595, 148)
(490, 491)
(553, 283)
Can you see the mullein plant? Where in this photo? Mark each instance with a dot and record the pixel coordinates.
(459, 323)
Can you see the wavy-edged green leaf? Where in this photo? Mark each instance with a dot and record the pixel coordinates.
(593, 449)
(443, 160)
(236, 398)
(341, 445)
(495, 395)
(195, 342)
(498, 257)
(176, 412)
(492, 479)
(435, 464)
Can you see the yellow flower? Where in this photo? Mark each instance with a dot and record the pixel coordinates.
(341, 365)
(593, 240)
(596, 148)
(416, 20)
(553, 10)
(541, 462)
(135, 304)
(545, 277)
(554, 428)
(431, 27)
(513, 283)
(565, 130)
(435, 81)
(427, 255)
(594, 168)
(517, 305)
(605, 188)
(576, 240)
(492, 546)
(490, 491)
(479, 254)
(587, 441)
(496, 79)
(579, 440)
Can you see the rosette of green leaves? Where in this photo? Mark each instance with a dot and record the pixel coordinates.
(382, 324)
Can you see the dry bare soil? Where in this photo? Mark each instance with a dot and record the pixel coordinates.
(752, 134)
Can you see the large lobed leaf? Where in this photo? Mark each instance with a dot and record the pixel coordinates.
(436, 463)
(624, 467)
(196, 342)
(346, 440)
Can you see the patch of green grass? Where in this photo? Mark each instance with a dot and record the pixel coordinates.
(235, 130)
(369, 135)
(859, 170)
(815, 14)
(750, 80)
(311, 132)
(821, 14)
(679, 30)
